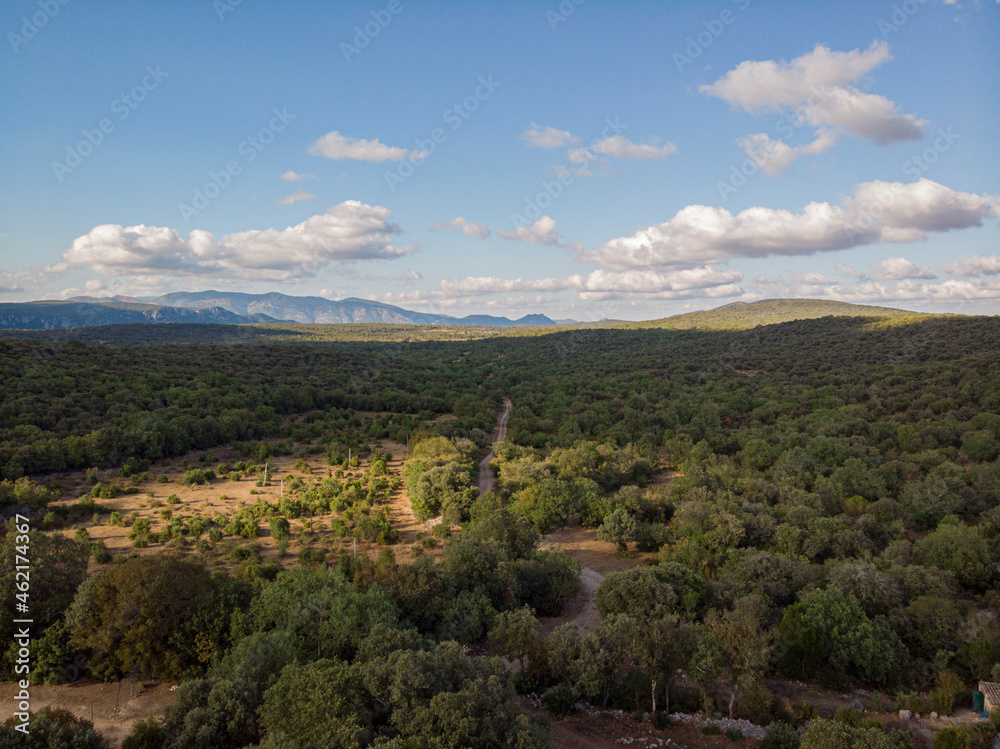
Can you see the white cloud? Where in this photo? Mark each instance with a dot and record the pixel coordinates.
(815, 89)
(774, 156)
(816, 86)
(291, 176)
(468, 228)
(898, 269)
(809, 278)
(543, 231)
(976, 265)
(334, 145)
(602, 284)
(947, 292)
(295, 197)
(848, 271)
(622, 148)
(541, 136)
(878, 212)
(348, 231)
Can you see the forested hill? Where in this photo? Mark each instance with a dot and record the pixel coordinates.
(742, 316)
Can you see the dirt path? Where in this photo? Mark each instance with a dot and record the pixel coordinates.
(114, 710)
(487, 479)
(581, 611)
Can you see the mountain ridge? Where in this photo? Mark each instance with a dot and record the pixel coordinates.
(229, 308)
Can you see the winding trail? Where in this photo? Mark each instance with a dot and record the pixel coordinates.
(487, 479)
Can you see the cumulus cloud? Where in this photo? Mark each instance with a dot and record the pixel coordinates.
(540, 136)
(878, 212)
(898, 269)
(602, 284)
(975, 266)
(774, 156)
(348, 231)
(622, 148)
(334, 145)
(291, 176)
(947, 292)
(816, 89)
(468, 228)
(543, 231)
(296, 197)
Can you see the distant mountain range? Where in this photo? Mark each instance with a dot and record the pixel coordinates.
(315, 309)
(226, 308)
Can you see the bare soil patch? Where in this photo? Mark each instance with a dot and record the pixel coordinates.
(224, 496)
(114, 708)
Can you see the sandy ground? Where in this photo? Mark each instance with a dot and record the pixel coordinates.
(98, 701)
(225, 496)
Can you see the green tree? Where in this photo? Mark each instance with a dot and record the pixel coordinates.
(514, 634)
(215, 713)
(57, 567)
(743, 642)
(961, 550)
(314, 703)
(828, 635)
(619, 528)
(136, 616)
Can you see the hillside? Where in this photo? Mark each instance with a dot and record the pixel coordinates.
(742, 316)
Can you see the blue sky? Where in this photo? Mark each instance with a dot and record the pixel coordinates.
(580, 159)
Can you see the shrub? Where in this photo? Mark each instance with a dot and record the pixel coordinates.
(215, 534)
(802, 712)
(173, 499)
(524, 683)
(780, 736)
(161, 479)
(280, 528)
(710, 729)
(146, 734)
(53, 728)
(733, 735)
(195, 476)
(756, 705)
(115, 519)
(560, 701)
(100, 553)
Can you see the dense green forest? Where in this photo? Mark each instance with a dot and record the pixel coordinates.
(835, 521)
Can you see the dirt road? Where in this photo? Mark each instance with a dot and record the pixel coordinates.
(487, 480)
